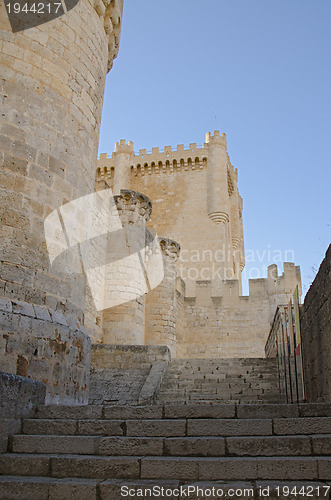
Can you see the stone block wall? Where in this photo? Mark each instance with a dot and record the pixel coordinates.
(315, 320)
(51, 92)
(43, 344)
(19, 396)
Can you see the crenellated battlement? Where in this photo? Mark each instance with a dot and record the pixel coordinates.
(123, 147)
(167, 160)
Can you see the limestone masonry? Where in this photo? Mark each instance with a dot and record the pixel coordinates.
(198, 310)
(52, 86)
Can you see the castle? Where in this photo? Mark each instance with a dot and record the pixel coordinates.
(188, 196)
(199, 310)
(122, 408)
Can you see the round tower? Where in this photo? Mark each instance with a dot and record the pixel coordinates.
(53, 78)
(161, 313)
(127, 281)
(217, 184)
(123, 155)
(218, 202)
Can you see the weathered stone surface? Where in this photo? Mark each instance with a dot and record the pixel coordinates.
(197, 446)
(101, 427)
(68, 412)
(24, 488)
(223, 427)
(200, 411)
(315, 319)
(156, 427)
(133, 412)
(315, 410)
(95, 467)
(25, 465)
(73, 489)
(169, 468)
(48, 145)
(19, 395)
(130, 446)
(50, 426)
(268, 446)
(308, 425)
(227, 468)
(321, 444)
(79, 445)
(267, 411)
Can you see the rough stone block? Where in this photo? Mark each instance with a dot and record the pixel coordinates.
(223, 427)
(13, 464)
(69, 412)
(227, 468)
(24, 488)
(292, 468)
(307, 425)
(204, 447)
(130, 446)
(156, 427)
(268, 446)
(200, 411)
(324, 468)
(170, 468)
(315, 410)
(23, 308)
(52, 426)
(95, 467)
(101, 427)
(73, 489)
(79, 445)
(5, 305)
(321, 445)
(267, 411)
(133, 412)
(19, 395)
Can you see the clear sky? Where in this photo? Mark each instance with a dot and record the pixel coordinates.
(264, 67)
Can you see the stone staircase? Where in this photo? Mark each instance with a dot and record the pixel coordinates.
(91, 452)
(241, 380)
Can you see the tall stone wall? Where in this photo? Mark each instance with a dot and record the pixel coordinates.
(315, 320)
(52, 85)
(226, 326)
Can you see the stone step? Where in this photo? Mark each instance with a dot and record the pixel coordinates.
(168, 411)
(175, 426)
(151, 467)
(180, 446)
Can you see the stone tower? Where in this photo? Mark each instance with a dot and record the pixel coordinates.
(53, 78)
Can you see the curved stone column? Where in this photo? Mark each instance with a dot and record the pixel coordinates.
(124, 323)
(53, 78)
(161, 310)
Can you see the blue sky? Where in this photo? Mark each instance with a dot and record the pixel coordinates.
(264, 67)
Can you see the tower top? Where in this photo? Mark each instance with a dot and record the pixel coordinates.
(216, 138)
(122, 147)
